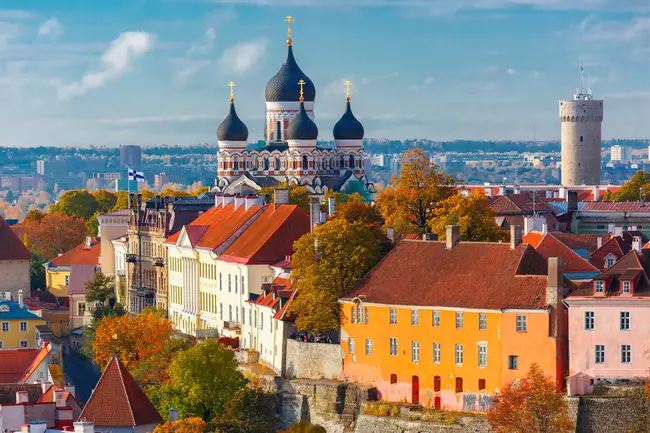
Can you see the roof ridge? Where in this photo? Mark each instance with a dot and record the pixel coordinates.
(126, 393)
(573, 252)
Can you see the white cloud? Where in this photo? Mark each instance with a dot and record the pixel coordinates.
(188, 69)
(614, 31)
(16, 14)
(51, 28)
(115, 61)
(127, 121)
(242, 57)
(205, 45)
(511, 71)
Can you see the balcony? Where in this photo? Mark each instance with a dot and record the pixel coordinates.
(131, 258)
(159, 261)
(151, 229)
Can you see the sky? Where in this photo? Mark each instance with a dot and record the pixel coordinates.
(149, 72)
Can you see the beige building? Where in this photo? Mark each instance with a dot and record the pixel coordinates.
(14, 263)
(111, 226)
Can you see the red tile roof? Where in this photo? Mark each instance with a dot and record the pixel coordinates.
(579, 241)
(617, 206)
(629, 266)
(117, 401)
(469, 275)
(520, 203)
(48, 397)
(284, 289)
(15, 363)
(270, 237)
(38, 360)
(79, 255)
(12, 247)
(550, 246)
(614, 245)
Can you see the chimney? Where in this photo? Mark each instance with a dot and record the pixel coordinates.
(34, 427)
(240, 201)
(314, 211)
(636, 244)
(84, 427)
(452, 236)
(22, 397)
(173, 414)
(572, 201)
(253, 200)
(515, 236)
(218, 200)
(59, 398)
(390, 234)
(330, 206)
(596, 193)
(599, 242)
(45, 386)
(281, 196)
(71, 390)
(20, 298)
(555, 294)
(429, 237)
(618, 231)
(227, 199)
(488, 191)
(89, 242)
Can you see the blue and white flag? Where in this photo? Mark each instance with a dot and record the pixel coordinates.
(136, 175)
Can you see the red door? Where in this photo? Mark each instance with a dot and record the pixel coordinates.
(415, 390)
(436, 403)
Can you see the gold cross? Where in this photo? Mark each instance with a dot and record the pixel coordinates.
(232, 90)
(302, 83)
(289, 20)
(348, 83)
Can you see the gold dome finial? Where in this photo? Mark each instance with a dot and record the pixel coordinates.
(302, 94)
(232, 91)
(289, 20)
(348, 83)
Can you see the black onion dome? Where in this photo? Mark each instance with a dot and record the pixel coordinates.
(232, 128)
(284, 85)
(302, 127)
(348, 128)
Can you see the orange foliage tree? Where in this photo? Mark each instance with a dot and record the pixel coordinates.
(50, 235)
(142, 342)
(533, 405)
(187, 425)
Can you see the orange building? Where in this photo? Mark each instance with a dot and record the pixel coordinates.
(447, 324)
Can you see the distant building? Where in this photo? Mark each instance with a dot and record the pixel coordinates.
(18, 325)
(620, 153)
(159, 180)
(126, 185)
(14, 264)
(111, 226)
(40, 167)
(110, 176)
(58, 270)
(130, 156)
(378, 159)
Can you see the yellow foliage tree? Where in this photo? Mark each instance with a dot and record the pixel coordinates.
(471, 214)
(187, 425)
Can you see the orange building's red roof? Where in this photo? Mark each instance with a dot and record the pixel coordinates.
(79, 255)
(12, 247)
(117, 401)
(14, 364)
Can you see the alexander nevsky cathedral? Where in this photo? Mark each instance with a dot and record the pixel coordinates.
(290, 151)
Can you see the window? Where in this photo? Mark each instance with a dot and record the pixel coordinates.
(393, 346)
(81, 308)
(359, 314)
(366, 314)
(459, 384)
(220, 281)
(626, 353)
(220, 311)
(436, 353)
(271, 323)
(482, 355)
(351, 346)
(459, 354)
(236, 280)
(590, 320)
(23, 326)
(368, 346)
(627, 286)
(436, 383)
(1, 344)
(243, 288)
(261, 320)
(5, 326)
(481, 384)
(414, 317)
(353, 315)
(600, 353)
(230, 313)
(393, 316)
(435, 319)
(243, 315)
(67, 280)
(522, 326)
(230, 282)
(255, 320)
(610, 262)
(393, 379)
(625, 320)
(600, 286)
(482, 321)
(459, 320)
(415, 351)
(23, 343)
(581, 138)
(513, 362)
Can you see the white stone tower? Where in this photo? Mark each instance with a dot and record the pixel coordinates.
(581, 120)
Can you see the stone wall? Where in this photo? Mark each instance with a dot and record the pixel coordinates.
(14, 275)
(375, 424)
(313, 360)
(625, 414)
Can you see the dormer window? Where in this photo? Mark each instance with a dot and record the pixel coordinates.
(600, 286)
(609, 262)
(627, 286)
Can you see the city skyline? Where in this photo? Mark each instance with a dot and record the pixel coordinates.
(152, 72)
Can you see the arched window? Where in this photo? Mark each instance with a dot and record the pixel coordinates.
(278, 130)
(266, 164)
(436, 383)
(305, 162)
(459, 384)
(235, 163)
(277, 163)
(342, 163)
(351, 161)
(572, 118)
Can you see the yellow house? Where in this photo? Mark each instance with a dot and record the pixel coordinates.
(17, 326)
(57, 270)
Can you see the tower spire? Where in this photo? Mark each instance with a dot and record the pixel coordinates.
(232, 91)
(582, 77)
(348, 83)
(289, 20)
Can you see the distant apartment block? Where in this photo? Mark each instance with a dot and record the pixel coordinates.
(621, 153)
(130, 156)
(111, 176)
(160, 179)
(40, 167)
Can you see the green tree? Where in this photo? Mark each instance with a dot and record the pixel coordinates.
(471, 214)
(202, 380)
(632, 189)
(121, 201)
(36, 273)
(306, 427)
(298, 195)
(106, 201)
(251, 410)
(328, 262)
(92, 225)
(78, 203)
(100, 288)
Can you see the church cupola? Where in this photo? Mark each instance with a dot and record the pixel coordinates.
(302, 132)
(232, 134)
(348, 131)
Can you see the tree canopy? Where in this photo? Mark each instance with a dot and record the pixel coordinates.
(251, 410)
(471, 214)
(327, 263)
(306, 427)
(105, 200)
(632, 190)
(100, 288)
(49, 235)
(532, 405)
(298, 195)
(418, 189)
(78, 203)
(187, 425)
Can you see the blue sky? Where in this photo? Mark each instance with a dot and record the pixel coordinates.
(156, 71)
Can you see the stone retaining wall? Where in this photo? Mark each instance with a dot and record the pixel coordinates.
(376, 424)
(313, 360)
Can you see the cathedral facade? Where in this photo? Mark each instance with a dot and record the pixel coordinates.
(290, 151)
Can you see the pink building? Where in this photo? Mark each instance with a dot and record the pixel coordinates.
(608, 332)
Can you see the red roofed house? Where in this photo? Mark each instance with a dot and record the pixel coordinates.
(24, 365)
(118, 404)
(449, 323)
(518, 209)
(220, 260)
(14, 263)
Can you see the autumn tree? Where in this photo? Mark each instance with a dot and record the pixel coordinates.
(146, 194)
(105, 200)
(471, 214)
(201, 380)
(418, 189)
(365, 213)
(186, 425)
(47, 236)
(251, 410)
(532, 405)
(143, 343)
(298, 195)
(202, 190)
(174, 193)
(121, 201)
(78, 203)
(327, 263)
(633, 189)
(306, 427)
